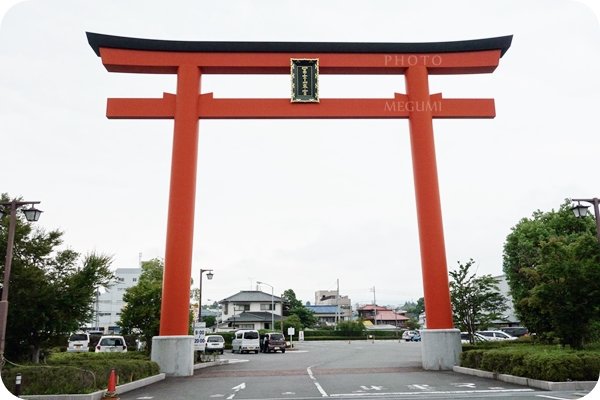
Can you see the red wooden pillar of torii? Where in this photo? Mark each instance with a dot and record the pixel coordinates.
(191, 59)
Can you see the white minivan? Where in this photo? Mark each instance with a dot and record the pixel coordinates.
(245, 341)
(111, 343)
(79, 342)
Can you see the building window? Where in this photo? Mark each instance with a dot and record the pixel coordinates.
(246, 326)
(135, 279)
(265, 307)
(241, 307)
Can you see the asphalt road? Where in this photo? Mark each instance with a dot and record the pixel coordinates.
(336, 369)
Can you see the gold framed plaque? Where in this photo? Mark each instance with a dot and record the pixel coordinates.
(305, 80)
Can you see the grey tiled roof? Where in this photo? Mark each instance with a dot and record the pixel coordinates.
(258, 316)
(251, 296)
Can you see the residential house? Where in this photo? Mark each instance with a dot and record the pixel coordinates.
(327, 315)
(379, 315)
(250, 309)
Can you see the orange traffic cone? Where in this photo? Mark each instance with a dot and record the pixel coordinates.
(111, 391)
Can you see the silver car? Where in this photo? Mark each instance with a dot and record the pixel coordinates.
(497, 335)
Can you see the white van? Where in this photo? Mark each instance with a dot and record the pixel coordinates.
(245, 341)
(79, 342)
(111, 343)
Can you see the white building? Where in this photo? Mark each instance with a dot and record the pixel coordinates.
(333, 298)
(250, 309)
(107, 309)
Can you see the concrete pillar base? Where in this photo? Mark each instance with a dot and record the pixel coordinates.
(174, 354)
(440, 349)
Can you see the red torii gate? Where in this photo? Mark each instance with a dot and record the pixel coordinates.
(189, 60)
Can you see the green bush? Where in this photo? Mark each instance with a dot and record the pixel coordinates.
(70, 373)
(548, 363)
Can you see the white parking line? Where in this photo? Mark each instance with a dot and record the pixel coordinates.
(319, 388)
(417, 394)
(551, 397)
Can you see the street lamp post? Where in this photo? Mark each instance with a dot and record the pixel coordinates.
(272, 305)
(31, 214)
(209, 276)
(581, 211)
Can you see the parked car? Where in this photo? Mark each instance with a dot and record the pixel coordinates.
(464, 337)
(407, 335)
(496, 335)
(416, 337)
(214, 343)
(272, 341)
(245, 341)
(111, 343)
(79, 342)
(516, 331)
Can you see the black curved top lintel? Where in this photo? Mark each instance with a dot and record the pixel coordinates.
(97, 41)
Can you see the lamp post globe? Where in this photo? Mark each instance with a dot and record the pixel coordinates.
(581, 211)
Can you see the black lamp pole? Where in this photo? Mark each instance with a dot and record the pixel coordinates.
(32, 214)
(209, 276)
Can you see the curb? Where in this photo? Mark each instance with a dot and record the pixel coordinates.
(534, 383)
(210, 364)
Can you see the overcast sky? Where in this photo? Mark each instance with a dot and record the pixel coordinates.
(295, 203)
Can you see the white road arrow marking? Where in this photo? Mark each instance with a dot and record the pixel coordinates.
(464, 385)
(236, 389)
(239, 387)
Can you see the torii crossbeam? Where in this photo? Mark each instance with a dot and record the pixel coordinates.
(189, 60)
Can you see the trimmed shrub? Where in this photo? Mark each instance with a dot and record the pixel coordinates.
(71, 373)
(547, 363)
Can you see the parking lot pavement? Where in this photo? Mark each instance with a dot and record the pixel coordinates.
(340, 370)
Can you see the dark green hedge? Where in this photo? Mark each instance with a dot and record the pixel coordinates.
(70, 373)
(308, 335)
(536, 362)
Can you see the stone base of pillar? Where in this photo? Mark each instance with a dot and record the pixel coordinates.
(440, 349)
(174, 354)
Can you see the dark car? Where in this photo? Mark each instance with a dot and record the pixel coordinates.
(516, 331)
(272, 341)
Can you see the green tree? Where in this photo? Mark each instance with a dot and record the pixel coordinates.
(552, 265)
(210, 320)
(293, 306)
(414, 309)
(51, 292)
(476, 301)
(290, 322)
(141, 313)
(289, 301)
